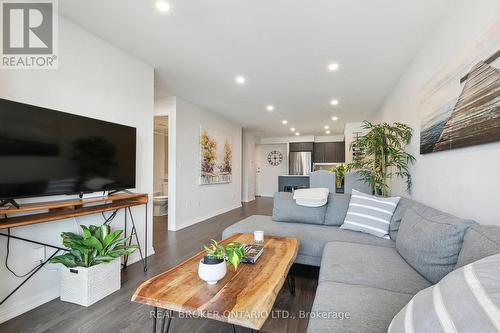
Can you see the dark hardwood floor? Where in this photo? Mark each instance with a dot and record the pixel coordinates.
(116, 313)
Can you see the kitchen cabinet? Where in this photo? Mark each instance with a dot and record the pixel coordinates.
(301, 146)
(329, 152)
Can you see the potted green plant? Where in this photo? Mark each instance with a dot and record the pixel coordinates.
(91, 267)
(382, 155)
(212, 267)
(340, 171)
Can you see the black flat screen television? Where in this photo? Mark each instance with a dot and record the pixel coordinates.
(47, 152)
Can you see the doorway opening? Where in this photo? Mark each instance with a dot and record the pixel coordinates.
(160, 178)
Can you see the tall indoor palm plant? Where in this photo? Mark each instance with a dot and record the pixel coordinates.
(381, 155)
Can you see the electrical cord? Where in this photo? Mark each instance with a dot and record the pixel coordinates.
(7, 260)
(111, 217)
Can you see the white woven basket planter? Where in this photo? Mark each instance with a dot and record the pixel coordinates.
(85, 286)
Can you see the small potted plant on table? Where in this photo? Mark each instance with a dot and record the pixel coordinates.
(92, 265)
(212, 267)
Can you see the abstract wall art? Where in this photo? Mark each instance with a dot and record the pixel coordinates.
(460, 106)
(216, 155)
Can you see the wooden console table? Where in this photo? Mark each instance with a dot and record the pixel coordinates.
(50, 211)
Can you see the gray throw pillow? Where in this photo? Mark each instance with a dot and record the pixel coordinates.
(398, 216)
(430, 240)
(370, 214)
(286, 210)
(336, 209)
(466, 300)
(480, 241)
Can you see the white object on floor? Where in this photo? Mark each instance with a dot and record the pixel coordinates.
(85, 286)
(160, 205)
(311, 197)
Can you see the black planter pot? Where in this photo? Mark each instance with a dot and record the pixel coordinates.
(207, 260)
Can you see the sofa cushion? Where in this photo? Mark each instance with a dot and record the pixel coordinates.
(400, 211)
(336, 209)
(286, 210)
(466, 300)
(371, 266)
(430, 240)
(312, 237)
(350, 308)
(370, 214)
(479, 241)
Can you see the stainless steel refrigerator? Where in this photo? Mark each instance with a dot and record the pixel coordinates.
(300, 163)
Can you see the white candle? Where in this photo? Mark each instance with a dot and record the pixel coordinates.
(258, 236)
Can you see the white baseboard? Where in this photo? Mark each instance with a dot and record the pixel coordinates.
(202, 218)
(18, 307)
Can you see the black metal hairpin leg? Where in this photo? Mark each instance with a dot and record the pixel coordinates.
(291, 283)
(233, 326)
(125, 258)
(39, 267)
(165, 321)
(133, 233)
(154, 318)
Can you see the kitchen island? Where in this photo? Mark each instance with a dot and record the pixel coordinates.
(287, 183)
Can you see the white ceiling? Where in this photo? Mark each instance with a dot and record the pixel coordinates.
(282, 47)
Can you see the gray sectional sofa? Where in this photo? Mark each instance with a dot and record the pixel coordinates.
(364, 280)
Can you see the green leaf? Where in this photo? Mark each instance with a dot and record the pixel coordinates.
(110, 238)
(86, 232)
(93, 242)
(67, 260)
(104, 232)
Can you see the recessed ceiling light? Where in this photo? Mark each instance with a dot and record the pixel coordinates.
(333, 67)
(284, 122)
(297, 133)
(327, 132)
(334, 102)
(270, 108)
(335, 118)
(327, 127)
(292, 129)
(240, 80)
(162, 6)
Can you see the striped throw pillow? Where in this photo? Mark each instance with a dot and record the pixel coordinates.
(370, 214)
(465, 300)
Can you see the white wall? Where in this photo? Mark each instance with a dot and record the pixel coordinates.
(351, 130)
(190, 203)
(248, 167)
(97, 80)
(267, 175)
(465, 181)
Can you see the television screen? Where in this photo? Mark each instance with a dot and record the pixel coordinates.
(47, 152)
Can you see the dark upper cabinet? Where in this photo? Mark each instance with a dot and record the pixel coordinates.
(329, 152)
(319, 155)
(301, 146)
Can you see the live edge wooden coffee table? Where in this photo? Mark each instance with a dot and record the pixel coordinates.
(244, 297)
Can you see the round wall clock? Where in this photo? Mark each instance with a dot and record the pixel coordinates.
(275, 158)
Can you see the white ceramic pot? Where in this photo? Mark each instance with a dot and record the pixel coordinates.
(212, 273)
